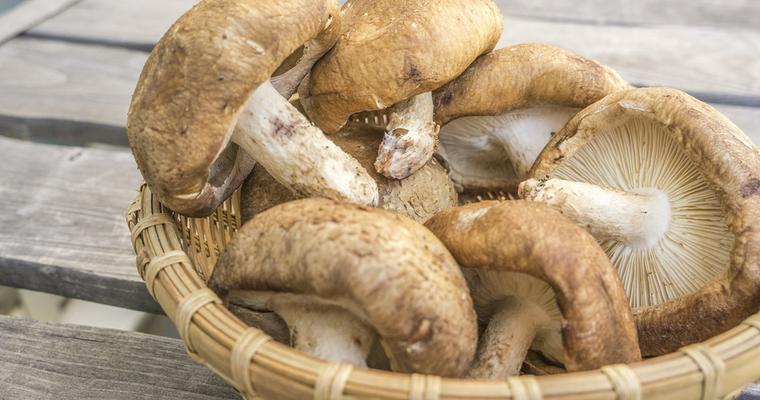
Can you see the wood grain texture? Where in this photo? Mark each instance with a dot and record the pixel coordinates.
(91, 85)
(62, 226)
(730, 14)
(45, 79)
(28, 14)
(117, 22)
(55, 361)
(694, 59)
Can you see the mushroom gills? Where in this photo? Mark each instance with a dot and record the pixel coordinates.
(648, 205)
(522, 314)
(496, 152)
(410, 138)
(329, 330)
(296, 153)
(230, 165)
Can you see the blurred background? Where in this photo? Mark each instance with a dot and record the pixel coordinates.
(68, 69)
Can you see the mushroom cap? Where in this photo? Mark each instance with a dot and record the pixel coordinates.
(418, 196)
(195, 82)
(392, 50)
(521, 76)
(530, 238)
(729, 164)
(404, 281)
(499, 114)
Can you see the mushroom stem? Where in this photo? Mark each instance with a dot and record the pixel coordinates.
(296, 153)
(507, 338)
(638, 218)
(327, 332)
(410, 138)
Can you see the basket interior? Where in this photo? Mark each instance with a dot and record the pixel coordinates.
(203, 239)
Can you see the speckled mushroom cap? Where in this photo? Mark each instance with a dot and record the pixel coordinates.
(391, 50)
(497, 116)
(525, 75)
(418, 196)
(716, 152)
(195, 82)
(395, 272)
(530, 238)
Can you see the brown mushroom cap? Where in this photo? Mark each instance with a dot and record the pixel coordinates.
(530, 238)
(196, 81)
(390, 51)
(525, 75)
(390, 270)
(418, 196)
(512, 101)
(700, 294)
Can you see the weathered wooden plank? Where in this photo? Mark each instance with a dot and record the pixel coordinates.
(56, 361)
(731, 14)
(133, 23)
(28, 14)
(694, 59)
(746, 118)
(62, 226)
(44, 79)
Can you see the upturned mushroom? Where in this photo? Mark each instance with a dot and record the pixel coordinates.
(542, 283)
(204, 106)
(343, 276)
(670, 188)
(500, 113)
(418, 196)
(393, 54)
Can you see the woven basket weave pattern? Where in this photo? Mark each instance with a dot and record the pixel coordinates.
(175, 256)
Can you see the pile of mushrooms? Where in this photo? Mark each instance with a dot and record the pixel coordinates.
(634, 233)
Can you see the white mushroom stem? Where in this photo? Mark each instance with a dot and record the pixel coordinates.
(297, 154)
(495, 152)
(638, 218)
(507, 338)
(327, 332)
(410, 138)
(287, 83)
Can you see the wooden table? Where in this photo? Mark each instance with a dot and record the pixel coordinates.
(67, 71)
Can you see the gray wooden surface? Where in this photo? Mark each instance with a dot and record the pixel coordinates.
(65, 362)
(28, 14)
(732, 14)
(62, 226)
(82, 65)
(132, 23)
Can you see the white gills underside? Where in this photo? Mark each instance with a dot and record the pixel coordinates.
(494, 152)
(641, 157)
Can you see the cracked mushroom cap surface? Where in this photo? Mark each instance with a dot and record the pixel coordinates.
(196, 81)
(702, 276)
(418, 196)
(397, 274)
(507, 104)
(521, 237)
(392, 50)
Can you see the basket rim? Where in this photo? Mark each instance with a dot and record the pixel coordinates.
(717, 367)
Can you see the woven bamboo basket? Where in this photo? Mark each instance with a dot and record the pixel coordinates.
(176, 254)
